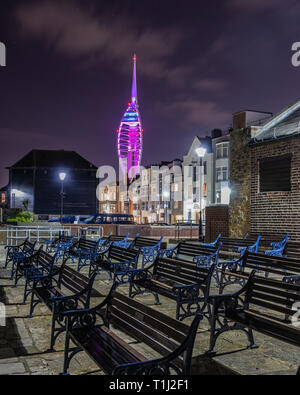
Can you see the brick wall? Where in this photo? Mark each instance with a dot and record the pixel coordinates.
(217, 221)
(276, 212)
(240, 176)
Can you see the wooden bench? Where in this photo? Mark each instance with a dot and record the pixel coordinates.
(113, 239)
(178, 280)
(51, 245)
(292, 250)
(237, 272)
(232, 244)
(148, 247)
(119, 263)
(93, 331)
(263, 305)
(83, 251)
(18, 253)
(188, 251)
(64, 290)
(40, 264)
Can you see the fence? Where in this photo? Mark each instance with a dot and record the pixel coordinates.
(14, 235)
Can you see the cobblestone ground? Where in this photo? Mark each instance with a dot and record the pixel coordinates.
(24, 341)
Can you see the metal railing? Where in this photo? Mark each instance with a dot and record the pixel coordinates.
(14, 235)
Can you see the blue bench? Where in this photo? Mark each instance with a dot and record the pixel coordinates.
(16, 254)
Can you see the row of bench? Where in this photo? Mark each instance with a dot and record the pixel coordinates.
(188, 284)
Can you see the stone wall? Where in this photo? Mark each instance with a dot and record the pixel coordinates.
(240, 178)
(276, 212)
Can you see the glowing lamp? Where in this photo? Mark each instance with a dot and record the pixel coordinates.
(201, 152)
(62, 176)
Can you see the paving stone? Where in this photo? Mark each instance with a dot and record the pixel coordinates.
(12, 368)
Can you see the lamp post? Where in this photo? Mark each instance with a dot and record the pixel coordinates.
(62, 177)
(201, 152)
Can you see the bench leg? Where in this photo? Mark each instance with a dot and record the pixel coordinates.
(33, 304)
(52, 340)
(12, 270)
(68, 355)
(252, 344)
(25, 291)
(8, 260)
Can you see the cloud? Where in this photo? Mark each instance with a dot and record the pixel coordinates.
(8, 135)
(253, 5)
(198, 112)
(91, 38)
(212, 85)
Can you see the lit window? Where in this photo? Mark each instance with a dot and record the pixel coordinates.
(222, 150)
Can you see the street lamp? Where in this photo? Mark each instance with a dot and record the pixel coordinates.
(62, 177)
(201, 152)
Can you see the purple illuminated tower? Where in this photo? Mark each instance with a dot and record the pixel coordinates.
(130, 138)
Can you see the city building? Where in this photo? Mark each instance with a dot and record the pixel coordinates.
(35, 178)
(275, 175)
(198, 179)
(221, 165)
(109, 199)
(155, 196)
(130, 134)
(240, 170)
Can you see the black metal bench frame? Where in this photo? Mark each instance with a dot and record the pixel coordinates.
(237, 272)
(253, 307)
(48, 290)
(181, 281)
(91, 330)
(39, 265)
(83, 250)
(119, 263)
(18, 253)
(148, 247)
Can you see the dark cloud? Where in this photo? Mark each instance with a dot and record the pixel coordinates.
(92, 38)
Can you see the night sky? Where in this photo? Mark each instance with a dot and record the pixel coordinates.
(69, 63)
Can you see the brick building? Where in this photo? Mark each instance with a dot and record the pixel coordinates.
(275, 175)
(265, 176)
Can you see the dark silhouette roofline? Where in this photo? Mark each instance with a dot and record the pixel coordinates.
(53, 159)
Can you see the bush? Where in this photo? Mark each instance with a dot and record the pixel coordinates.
(19, 216)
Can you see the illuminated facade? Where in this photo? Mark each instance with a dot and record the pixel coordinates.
(130, 138)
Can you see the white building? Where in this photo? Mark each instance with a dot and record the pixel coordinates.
(198, 176)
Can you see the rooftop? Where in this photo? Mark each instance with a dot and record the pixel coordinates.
(52, 158)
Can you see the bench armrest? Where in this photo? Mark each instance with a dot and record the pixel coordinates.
(166, 365)
(233, 298)
(74, 315)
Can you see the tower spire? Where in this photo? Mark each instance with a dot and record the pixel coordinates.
(134, 97)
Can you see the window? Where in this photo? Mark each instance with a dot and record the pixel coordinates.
(275, 174)
(205, 168)
(205, 190)
(3, 197)
(222, 173)
(218, 197)
(222, 150)
(194, 174)
(225, 173)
